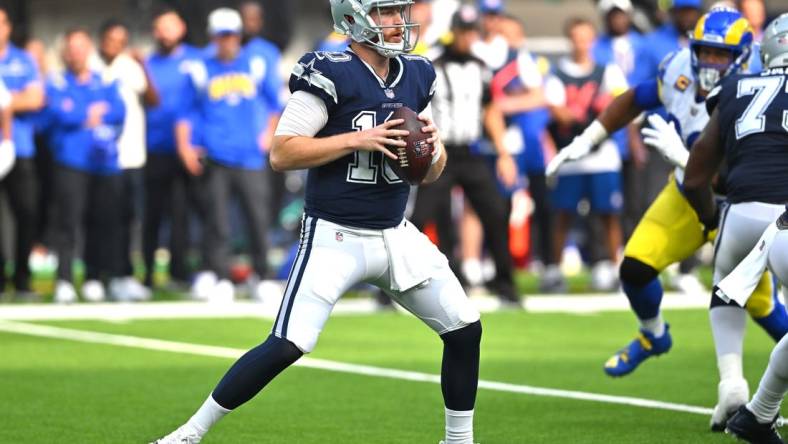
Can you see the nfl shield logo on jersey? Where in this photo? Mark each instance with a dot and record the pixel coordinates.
(339, 236)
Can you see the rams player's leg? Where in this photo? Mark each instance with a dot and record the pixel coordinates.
(765, 307)
(442, 304)
(669, 232)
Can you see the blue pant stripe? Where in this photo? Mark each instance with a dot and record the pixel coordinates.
(294, 291)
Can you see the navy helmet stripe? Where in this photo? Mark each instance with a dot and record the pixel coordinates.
(291, 277)
(294, 292)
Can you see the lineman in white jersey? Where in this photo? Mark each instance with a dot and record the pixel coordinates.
(670, 231)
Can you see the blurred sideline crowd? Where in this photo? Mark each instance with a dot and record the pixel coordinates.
(123, 155)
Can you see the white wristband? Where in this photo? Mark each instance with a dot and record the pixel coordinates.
(595, 132)
(437, 154)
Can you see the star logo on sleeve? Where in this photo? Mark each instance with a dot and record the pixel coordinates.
(309, 72)
(315, 78)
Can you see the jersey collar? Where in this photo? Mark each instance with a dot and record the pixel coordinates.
(399, 67)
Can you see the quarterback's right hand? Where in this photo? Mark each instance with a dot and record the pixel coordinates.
(379, 137)
(579, 148)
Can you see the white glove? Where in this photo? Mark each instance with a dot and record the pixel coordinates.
(663, 137)
(581, 145)
(556, 163)
(7, 157)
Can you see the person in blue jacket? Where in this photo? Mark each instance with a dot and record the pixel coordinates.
(225, 92)
(170, 191)
(267, 56)
(87, 116)
(20, 74)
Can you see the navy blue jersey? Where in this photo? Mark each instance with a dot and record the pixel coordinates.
(754, 128)
(360, 189)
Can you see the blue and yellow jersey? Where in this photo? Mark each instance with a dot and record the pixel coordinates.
(222, 103)
(675, 89)
(169, 73)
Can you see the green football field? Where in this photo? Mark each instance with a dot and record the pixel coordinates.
(90, 389)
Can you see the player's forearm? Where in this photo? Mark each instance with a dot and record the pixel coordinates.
(496, 128)
(183, 136)
(301, 152)
(526, 101)
(27, 100)
(621, 111)
(437, 168)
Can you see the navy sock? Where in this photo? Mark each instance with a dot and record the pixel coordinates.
(644, 300)
(460, 368)
(255, 370)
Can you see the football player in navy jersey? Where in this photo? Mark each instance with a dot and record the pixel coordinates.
(337, 124)
(748, 129)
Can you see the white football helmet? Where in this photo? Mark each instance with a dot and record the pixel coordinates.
(352, 18)
(774, 46)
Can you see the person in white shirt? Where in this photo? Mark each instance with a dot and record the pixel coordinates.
(577, 91)
(136, 90)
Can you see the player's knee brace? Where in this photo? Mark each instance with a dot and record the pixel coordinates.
(254, 370)
(634, 272)
(468, 336)
(460, 368)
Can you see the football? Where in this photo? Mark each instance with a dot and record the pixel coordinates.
(413, 160)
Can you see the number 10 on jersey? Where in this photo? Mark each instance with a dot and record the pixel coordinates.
(365, 164)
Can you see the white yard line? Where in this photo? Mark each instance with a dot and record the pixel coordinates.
(119, 312)
(233, 353)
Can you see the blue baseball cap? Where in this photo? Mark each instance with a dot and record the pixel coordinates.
(491, 6)
(697, 4)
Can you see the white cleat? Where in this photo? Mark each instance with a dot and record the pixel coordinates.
(128, 289)
(65, 293)
(93, 291)
(732, 394)
(223, 292)
(180, 436)
(203, 285)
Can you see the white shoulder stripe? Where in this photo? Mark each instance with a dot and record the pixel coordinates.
(315, 78)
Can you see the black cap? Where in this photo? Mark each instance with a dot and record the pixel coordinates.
(467, 17)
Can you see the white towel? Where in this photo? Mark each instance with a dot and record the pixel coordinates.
(411, 256)
(740, 283)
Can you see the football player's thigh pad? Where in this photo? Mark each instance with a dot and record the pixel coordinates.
(669, 232)
(324, 270)
(440, 302)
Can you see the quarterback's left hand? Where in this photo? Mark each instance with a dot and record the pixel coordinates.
(663, 137)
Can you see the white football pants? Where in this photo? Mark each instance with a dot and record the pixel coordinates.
(333, 258)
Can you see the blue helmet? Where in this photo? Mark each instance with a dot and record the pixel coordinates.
(723, 28)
